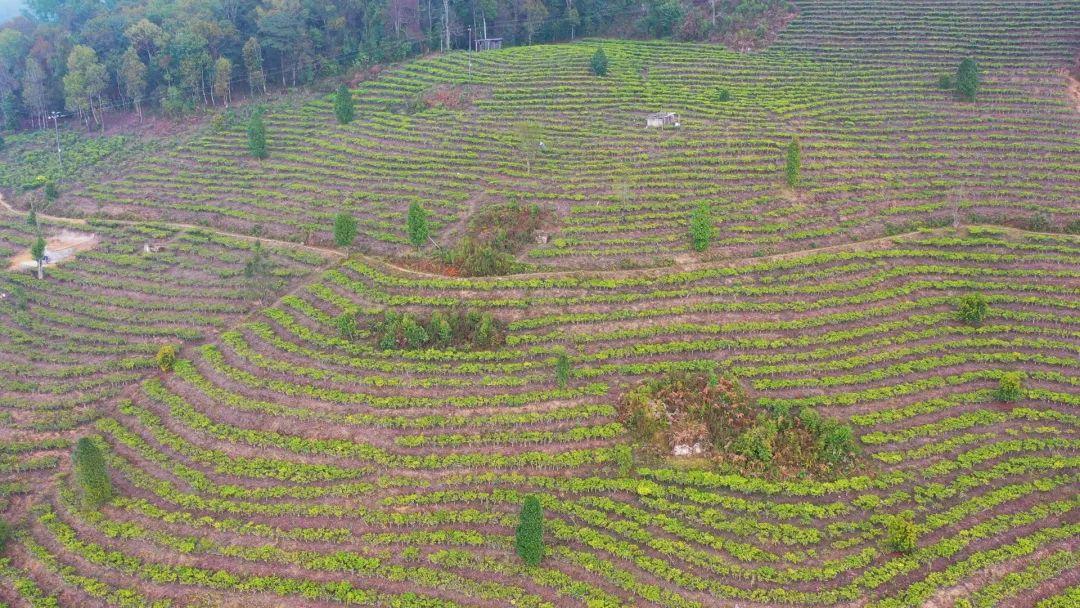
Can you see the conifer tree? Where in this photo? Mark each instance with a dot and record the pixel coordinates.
(344, 229)
(418, 225)
(91, 477)
(257, 134)
(529, 536)
(702, 229)
(344, 106)
(794, 163)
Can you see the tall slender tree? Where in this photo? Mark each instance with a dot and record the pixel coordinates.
(133, 74)
(344, 106)
(256, 132)
(529, 535)
(793, 168)
(223, 70)
(253, 63)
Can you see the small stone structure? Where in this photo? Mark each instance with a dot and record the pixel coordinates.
(662, 120)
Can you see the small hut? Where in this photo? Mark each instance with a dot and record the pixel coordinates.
(488, 44)
(662, 120)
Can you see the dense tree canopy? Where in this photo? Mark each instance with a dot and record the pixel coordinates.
(87, 57)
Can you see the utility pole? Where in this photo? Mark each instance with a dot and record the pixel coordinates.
(55, 116)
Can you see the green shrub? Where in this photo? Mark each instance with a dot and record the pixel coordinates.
(346, 325)
(51, 191)
(945, 82)
(5, 534)
(1011, 386)
(757, 442)
(599, 62)
(529, 535)
(440, 329)
(166, 357)
(972, 309)
(1073, 227)
(1039, 223)
(344, 229)
(468, 329)
(415, 334)
(723, 95)
(91, 477)
(903, 537)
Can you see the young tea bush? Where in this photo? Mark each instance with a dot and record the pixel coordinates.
(972, 309)
(166, 357)
(1011, 387)
(903, 536)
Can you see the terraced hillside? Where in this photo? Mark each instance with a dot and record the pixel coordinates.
(71, 343)
(289, 463)
(339, 429)
(884, 149)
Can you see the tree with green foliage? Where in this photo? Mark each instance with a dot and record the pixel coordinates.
(415, 335)
(344, 229)
(346, 325)
(133, 77)
(485, 334)
(51, 191)
(793, 168)
(84, 84)
(441, 330)
(256, 132)
(1010, 387)
(166, 357)
(702, 228)
(967, 79)
(903, 536)
(223, 73)
(37, 253)
(253, 63)
(344, 106)
(599, 62)
(5, 534)
(562, 369)
(723, 95)
(91, 477)
(259, 268)
(31, 219)
(417, 225)
(529, 535)
(972, 309)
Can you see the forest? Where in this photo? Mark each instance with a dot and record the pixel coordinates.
(84, 58)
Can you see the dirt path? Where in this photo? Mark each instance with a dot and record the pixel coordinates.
(1074, 90)
(333, 253)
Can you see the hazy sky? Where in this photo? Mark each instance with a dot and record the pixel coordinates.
(9, 8)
